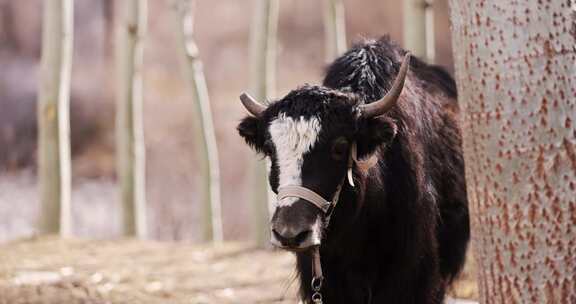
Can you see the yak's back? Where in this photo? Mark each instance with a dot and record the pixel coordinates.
(428, 139)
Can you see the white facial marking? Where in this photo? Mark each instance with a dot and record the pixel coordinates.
(317, 231)
(292, 138)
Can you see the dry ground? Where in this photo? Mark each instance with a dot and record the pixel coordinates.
(51, 270)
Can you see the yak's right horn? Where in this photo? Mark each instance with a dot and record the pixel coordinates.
(254, 107)
(381, 106)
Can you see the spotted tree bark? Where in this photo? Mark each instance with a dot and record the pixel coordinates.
(516, 74)
(54, 117)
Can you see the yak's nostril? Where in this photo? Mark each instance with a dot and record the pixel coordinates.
(302, 236)
(289, 238)
(277, 235)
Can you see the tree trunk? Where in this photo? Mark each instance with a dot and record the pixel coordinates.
(516, 75)
(262, 77)
(8, 38)
(53, 117)
(204, 128)
(334, 29)
(129, 121)
(419, 28)
(108, 12)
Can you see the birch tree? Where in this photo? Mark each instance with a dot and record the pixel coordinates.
(516, 75)
(262, 77)
(54, 117)
(204, 128)
(334, 29)
(419, 28)
(108, 12)
(129, 121)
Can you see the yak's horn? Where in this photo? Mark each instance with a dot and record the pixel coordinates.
(254, 107)
(381, 106)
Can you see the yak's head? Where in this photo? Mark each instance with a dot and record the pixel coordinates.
(307, 137)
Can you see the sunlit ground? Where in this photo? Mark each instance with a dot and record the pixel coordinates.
(51, 270)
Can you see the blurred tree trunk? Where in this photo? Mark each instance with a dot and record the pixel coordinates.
(204, 128)
(7, 26)
(516, 74)
(109, 26)
(419, 28)
(334, 29)
(53, 117)
(129, 117)
(262, 78)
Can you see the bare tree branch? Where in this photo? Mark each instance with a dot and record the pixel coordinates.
(53, 117)
(129, 117)
(334, 28)
(262, 77)
(204, 127)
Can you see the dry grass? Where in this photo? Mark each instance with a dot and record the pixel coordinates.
(51, 270)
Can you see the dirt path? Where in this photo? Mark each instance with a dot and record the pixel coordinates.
(77, 271)
(50, 270)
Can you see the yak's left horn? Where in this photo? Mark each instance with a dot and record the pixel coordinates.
(254, 107)
(381, 106)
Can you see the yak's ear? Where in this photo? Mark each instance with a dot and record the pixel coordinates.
(373, 133)
(250, 129)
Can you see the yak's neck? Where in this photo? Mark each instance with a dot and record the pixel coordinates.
(343, 251)
(345, 280)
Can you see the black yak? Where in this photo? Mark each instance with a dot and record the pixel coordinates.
(400, 228)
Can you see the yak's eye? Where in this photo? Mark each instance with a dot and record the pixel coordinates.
(339, 148)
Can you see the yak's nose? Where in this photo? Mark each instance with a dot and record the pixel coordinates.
(292, 236)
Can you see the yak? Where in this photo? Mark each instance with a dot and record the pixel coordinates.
(397, 229)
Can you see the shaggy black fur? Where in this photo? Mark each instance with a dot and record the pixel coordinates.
(401, 235)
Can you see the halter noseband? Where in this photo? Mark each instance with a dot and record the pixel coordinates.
(327, 208)
(316, 199)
